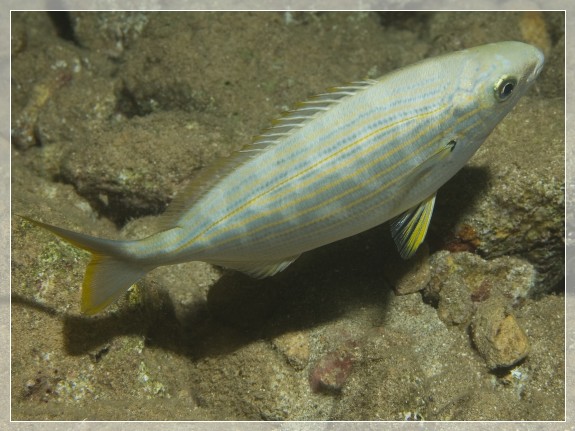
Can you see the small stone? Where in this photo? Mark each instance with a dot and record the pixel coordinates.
(332, 371)
(497, 335)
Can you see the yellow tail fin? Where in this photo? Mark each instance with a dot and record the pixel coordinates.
(110, 272)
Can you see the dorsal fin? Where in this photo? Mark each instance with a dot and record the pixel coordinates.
(283, 126)
(304, 112)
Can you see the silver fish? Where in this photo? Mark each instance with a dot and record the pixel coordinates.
(339, 164)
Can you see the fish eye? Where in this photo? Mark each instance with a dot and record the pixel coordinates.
(504, 88)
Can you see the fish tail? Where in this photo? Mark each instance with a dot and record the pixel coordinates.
(110, 272)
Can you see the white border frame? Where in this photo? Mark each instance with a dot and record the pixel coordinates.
(478, 5)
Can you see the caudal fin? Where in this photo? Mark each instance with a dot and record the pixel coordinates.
(106, 279)
(108, 274)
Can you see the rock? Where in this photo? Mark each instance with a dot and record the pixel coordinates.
(497, 335)
(516, 205)
(110, 33)
(461, 281)
(409, 276)
(138, 165)
(455, 306)
(332, 371)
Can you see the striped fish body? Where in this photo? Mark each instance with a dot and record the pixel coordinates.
(351, 159)
(339, 164)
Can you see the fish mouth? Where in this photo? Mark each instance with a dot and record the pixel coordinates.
(538, 69)
(537, 66)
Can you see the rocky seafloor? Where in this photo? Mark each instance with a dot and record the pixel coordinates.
(114, 113)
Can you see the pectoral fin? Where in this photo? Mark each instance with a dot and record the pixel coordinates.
(409, 228)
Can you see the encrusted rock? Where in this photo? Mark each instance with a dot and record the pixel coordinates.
(462, 281)
(516, 206)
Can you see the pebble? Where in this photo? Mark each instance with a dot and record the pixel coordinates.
(332, 371)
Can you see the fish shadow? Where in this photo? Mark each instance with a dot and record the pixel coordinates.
(455, 200)
(321, 286)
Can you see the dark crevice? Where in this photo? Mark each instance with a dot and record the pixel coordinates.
(63, 25)
(403, 20)
(128, 105)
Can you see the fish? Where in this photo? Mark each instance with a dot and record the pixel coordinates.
(338, 164)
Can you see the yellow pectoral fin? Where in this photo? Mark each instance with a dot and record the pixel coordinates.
(409, 228)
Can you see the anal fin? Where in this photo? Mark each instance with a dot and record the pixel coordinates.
(260, 269)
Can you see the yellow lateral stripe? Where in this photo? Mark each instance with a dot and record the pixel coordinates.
(315, 192)
(319, 220)
(300, 173)
(207, 237)
(314, 135)
(333, 225)
(348, 161)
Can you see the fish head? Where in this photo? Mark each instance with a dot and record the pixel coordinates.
(504, 72)
(491, 82)
(486, 82)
